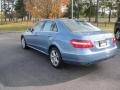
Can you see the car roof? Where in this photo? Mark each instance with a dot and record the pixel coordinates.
(62, 20)
(58, 19)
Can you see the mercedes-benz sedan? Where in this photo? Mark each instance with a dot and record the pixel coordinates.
(70, 41)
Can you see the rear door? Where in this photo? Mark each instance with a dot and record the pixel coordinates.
(47, 34)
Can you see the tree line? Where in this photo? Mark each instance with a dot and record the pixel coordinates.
(13, 10)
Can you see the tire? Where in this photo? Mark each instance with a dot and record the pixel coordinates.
(23, 43)
(117, 35)
(55, 58)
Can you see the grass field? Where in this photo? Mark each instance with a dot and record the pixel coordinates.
(109, 27)
(15, 26)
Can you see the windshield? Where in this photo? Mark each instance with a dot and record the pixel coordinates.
(80, 26)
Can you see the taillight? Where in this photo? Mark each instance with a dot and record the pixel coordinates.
(113, 40)
(81, 43)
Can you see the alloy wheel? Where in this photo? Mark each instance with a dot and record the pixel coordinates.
(54, 57)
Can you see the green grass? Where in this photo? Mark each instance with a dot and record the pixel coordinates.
(15, 26)
(109, 27)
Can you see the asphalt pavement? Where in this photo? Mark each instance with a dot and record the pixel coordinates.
(30, 70)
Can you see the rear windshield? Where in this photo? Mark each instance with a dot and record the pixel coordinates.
(80, 26)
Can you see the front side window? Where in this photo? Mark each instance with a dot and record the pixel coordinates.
(38, 26)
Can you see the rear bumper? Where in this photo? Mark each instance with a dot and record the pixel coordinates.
(90, 58)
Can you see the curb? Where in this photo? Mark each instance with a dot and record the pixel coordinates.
(1, 32)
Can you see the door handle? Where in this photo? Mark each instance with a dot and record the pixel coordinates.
(49, 35)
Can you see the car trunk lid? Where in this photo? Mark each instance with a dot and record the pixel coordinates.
(100, 39)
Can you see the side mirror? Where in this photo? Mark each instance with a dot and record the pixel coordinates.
(30, 29)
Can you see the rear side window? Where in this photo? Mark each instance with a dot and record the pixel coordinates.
(54, 28)
(47, 26)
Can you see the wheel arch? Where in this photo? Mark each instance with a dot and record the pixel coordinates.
(51, 46)
(22, 36)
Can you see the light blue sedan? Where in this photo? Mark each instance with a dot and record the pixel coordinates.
(70, 41)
